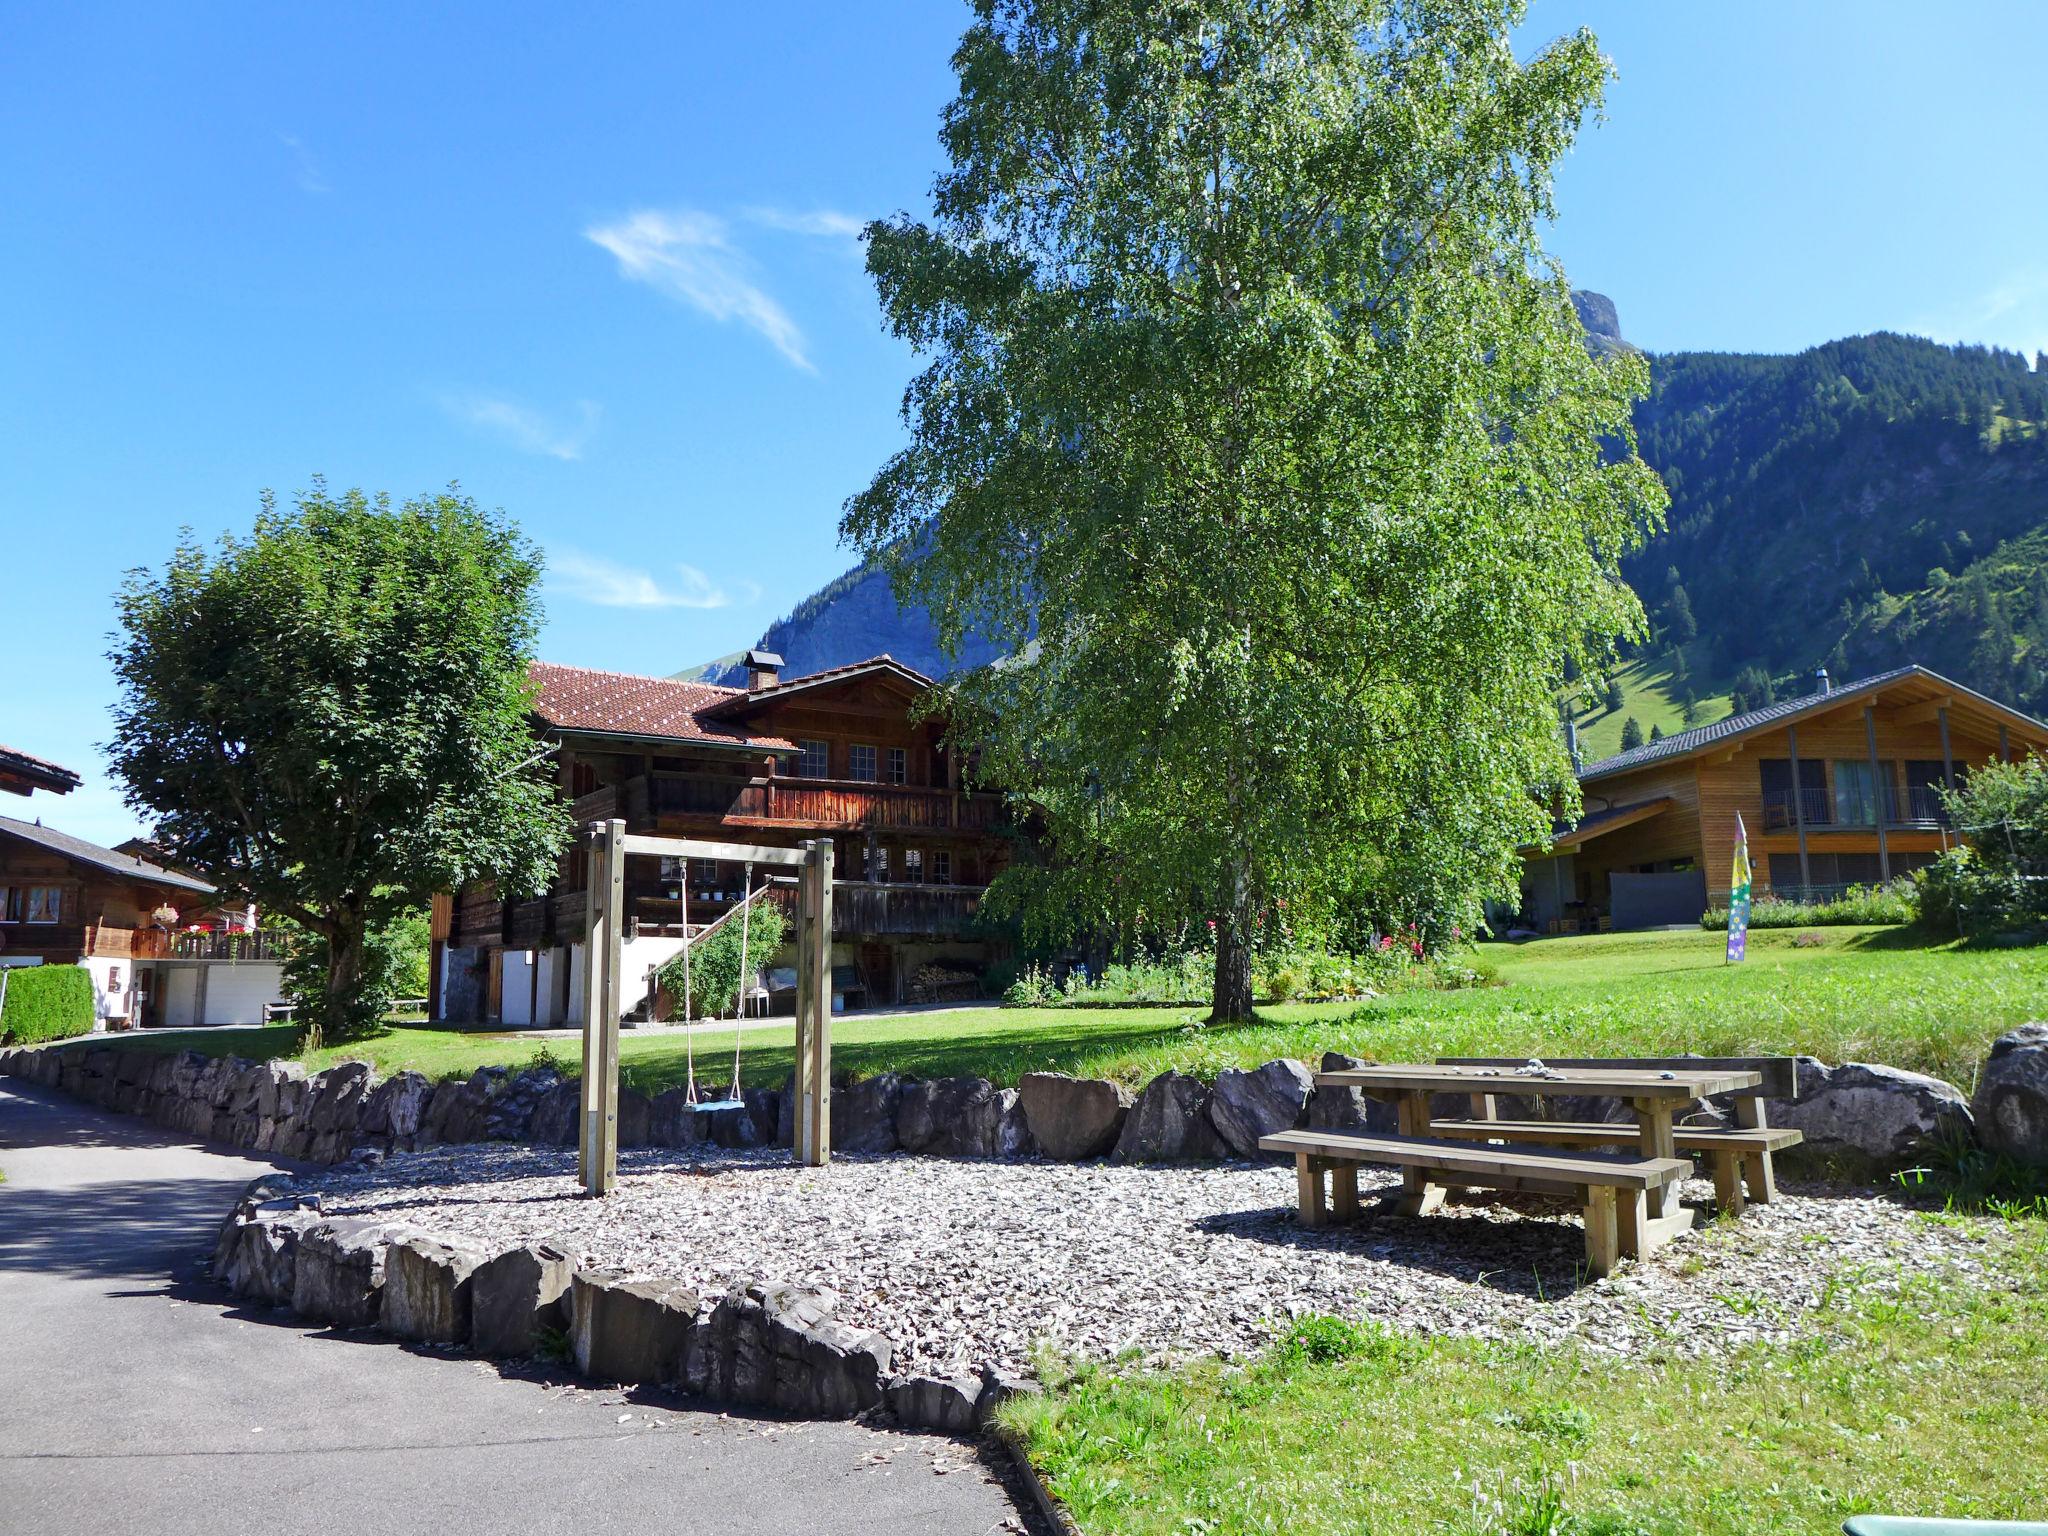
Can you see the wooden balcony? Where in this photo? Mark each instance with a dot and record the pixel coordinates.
(1917, 806)
(831, 805)
(230, 946)
(868, 909)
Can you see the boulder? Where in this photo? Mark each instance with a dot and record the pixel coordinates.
(257, 1255)
(997, 1388)
(635, 1109)
(2011, 1106)
(339, 1272)
(1072, 1118)
(1244, 1106)
(516, 1295)
(1170, 1120)
(632, 1332)
(737, 1127)
(427, 1290)
(775, 1346)
(395, 1107)
(672, 1123)
(864, 1114)
(510, 1111)
(764, 1105)
(336, 1096)
(945, 1403)
(557, 1115)
(1348, 1109)
(458, 1111)
(1878, 1114)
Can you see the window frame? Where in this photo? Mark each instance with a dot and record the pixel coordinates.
(896, 766)
(913, 866)
(855, 752)
(55, 894)
(808, 748)
(942, 866)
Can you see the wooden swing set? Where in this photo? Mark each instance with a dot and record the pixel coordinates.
(609, 844)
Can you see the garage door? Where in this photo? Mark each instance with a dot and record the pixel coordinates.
(1658, 901)
(181, 996)
(235, 994)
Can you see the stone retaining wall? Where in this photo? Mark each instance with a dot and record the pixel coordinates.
(1878, 1114)
(757, 1346)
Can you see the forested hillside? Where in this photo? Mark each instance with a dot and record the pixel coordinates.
(1868, 502)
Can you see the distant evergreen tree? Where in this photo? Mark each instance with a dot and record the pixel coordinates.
(1689, 710)
(1631, 734)
(1613, 698)
(1681, 672)
(1679, 623)
(1656, 733)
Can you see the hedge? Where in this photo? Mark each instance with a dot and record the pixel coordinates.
(46, 1002)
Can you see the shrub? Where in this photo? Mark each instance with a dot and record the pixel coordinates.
(1993, 888)
(1898, 902)
(46, 1002)
(1185, 976)
(715, 962)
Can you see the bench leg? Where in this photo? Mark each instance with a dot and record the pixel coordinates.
(1603, 1237)
(1728, 1180)
(1761, 1176)
(1344, 1190)
(1308, 1178)
(1418, 1196)
(1632, 1208)
(1654, 1135)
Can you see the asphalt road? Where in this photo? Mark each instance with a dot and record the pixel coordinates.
(138, 1398)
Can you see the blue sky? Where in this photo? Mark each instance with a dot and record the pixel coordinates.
(597, 266)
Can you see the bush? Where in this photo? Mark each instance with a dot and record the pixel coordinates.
(1898, 902)
(715, 963)
(1307, 975)
(46, 1002)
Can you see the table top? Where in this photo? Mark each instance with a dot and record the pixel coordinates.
(1617, 1082)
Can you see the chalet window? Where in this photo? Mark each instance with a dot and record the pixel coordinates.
(899, 765)
(45, 902)
(11, 898)
(1855, 793)
(813, 760)
(880, 872)
(671, 869)
(942, 866)
(582, 779)
(860, 763)
(913, 866)
(704, 873)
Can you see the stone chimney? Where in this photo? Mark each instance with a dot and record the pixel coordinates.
(1820, 680)
(764, 670)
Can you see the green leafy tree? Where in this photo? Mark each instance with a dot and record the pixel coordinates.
(1255, 409)
(329, 718)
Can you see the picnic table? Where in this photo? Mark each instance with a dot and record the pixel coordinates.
(1630, 1196)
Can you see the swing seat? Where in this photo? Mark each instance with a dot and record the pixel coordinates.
(714, 1106)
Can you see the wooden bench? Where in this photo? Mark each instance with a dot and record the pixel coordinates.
(1740, 1154)
(1611, 1190)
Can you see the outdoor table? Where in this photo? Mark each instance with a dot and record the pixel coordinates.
(1656, 1095)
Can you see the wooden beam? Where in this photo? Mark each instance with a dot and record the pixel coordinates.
(598, 1144)
(1878, 788)
(1798, 808)
(696, 848)
(1920, 714)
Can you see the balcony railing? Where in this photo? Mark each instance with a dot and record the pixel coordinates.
(826, 804)
(1919, 805)
(257, 944)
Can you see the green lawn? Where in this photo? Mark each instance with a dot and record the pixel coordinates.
(1651, 696)
(1931, 1400)
(1868, 994)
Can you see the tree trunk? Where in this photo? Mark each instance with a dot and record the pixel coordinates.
(1231, 1001)
(340, 1014)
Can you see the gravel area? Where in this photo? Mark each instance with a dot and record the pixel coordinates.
(962, 1264)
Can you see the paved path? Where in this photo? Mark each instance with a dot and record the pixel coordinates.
(138, 1398)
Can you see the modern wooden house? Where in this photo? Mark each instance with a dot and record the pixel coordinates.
(833, 754)
(160, 948)
(1836, 787)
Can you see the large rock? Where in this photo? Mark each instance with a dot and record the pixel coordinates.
(2011, 1105)
(1073, 1117)
(1877, 1114)
(509, 1113)
(945, 1403)
(864, 1114)
(635, 1116)
(672, 1123)
(1170, 1120)
(962, 1117)
(427, 1290)
(514, 1297)
(339, 1273)
(459, 1110)
(556, 1117)
(632, 1332)
(1247, 1105)
(777, 1347)
(391, 1112)
(1331, 1108)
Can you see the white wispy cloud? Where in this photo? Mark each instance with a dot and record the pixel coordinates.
(304, 169)
(591, 579)
(523, 427)
(825, 222)
(689, 255)
(2012, 312)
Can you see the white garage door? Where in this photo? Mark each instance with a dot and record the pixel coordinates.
(181, 996)
(235, 994)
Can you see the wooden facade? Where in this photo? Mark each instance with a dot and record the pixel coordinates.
(835, 755)
(1834, 789)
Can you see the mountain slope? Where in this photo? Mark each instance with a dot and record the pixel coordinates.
(1864, 503)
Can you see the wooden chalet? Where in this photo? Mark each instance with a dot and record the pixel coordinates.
(779, 761)
(1836, 787)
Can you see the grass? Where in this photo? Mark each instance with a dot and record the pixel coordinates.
(1649, 694)
(1860, 994)
(1906, 1392)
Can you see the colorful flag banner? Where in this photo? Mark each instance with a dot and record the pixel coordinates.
(1738, 897)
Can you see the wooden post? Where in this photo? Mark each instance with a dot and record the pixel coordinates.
(1948, 761)
(598, 1145)
(1799, 812)
(1878, 786)
(817, 1149)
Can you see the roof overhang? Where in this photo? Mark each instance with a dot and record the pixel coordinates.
(1600, 823)
(741, 703)
(22, 774)
(757, 748)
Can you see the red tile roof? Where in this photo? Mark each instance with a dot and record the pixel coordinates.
(738, 697)
(621, 704)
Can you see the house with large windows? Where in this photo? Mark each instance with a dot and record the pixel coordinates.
(839, 754)
(1835, 787)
